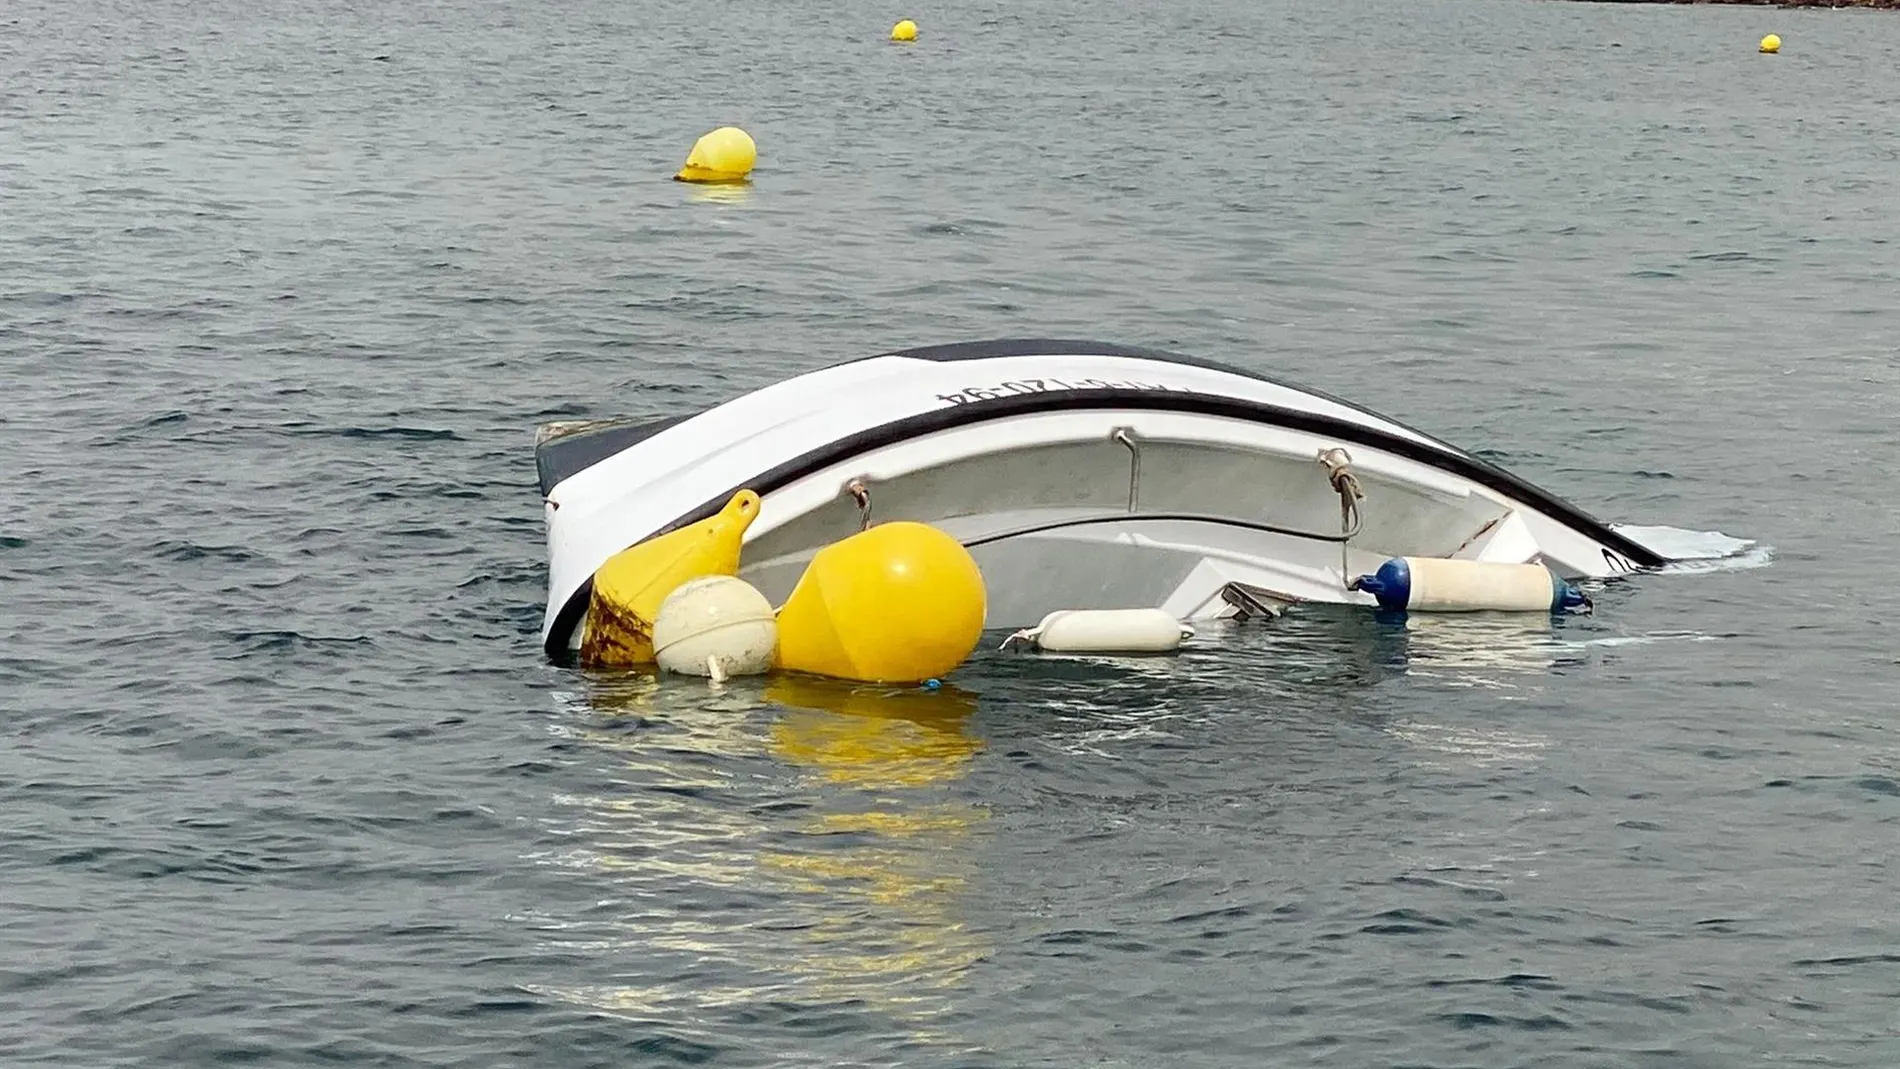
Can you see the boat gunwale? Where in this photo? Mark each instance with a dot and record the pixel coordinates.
(626, 434)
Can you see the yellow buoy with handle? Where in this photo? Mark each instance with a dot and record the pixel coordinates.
(1771, 44)
(630, 587)
(904, 31)
(725, 155)
(901, 602)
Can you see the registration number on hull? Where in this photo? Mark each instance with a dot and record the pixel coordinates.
(1020, 387)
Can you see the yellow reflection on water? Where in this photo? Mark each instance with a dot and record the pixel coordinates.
(859, 853)
(893, 864)
(873, 736)
(722, 193)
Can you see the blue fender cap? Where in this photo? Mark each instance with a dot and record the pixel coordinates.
(1565, 597)
(1391, 584)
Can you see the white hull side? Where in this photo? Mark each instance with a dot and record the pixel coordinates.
(985, 479)
(602, 509)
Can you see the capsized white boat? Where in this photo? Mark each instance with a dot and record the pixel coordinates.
(1079, 474)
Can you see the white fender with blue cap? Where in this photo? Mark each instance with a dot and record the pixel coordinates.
(1433, 584)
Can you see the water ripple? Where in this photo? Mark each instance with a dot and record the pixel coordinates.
(285, 779)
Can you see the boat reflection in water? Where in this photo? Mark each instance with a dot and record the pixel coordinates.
(800, 847)
(790, 845)
(1507, 657)
(1354, 649)
(1322, 664)
(1494, 651)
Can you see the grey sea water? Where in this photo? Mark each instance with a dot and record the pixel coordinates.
(284, 780)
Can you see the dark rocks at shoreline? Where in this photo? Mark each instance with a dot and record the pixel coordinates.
(1883, 5)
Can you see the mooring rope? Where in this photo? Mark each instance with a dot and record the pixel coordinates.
(1338, 465)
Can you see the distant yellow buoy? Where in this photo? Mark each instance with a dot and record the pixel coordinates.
(904, 31)
(725, 155)
(1771, 44)
(630, 587)
(901, 602)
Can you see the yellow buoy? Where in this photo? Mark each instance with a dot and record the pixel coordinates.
(904, 31)
(900, 603)
(725, 155)
(630, 587)
(1771, 44)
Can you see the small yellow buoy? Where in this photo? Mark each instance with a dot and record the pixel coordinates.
(904, 31)
(1771, 44)
(629, 588)
(725, 155)
(899, 603)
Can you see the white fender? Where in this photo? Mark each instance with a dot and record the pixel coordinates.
(715, 626)
(1455, 585)
(1106, 631)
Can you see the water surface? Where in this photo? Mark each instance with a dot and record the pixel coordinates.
(284, 290)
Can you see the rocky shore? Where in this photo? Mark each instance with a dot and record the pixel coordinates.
(1885, 5)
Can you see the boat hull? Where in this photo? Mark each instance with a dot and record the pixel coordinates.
(1087, 476)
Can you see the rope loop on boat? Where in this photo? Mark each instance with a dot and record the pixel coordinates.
(1338, 465)
(862, 495)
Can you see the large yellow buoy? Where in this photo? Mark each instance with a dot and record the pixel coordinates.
(901, 602)
(630, 587)
(1771, 44)
(904, 31)
(725, 155)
